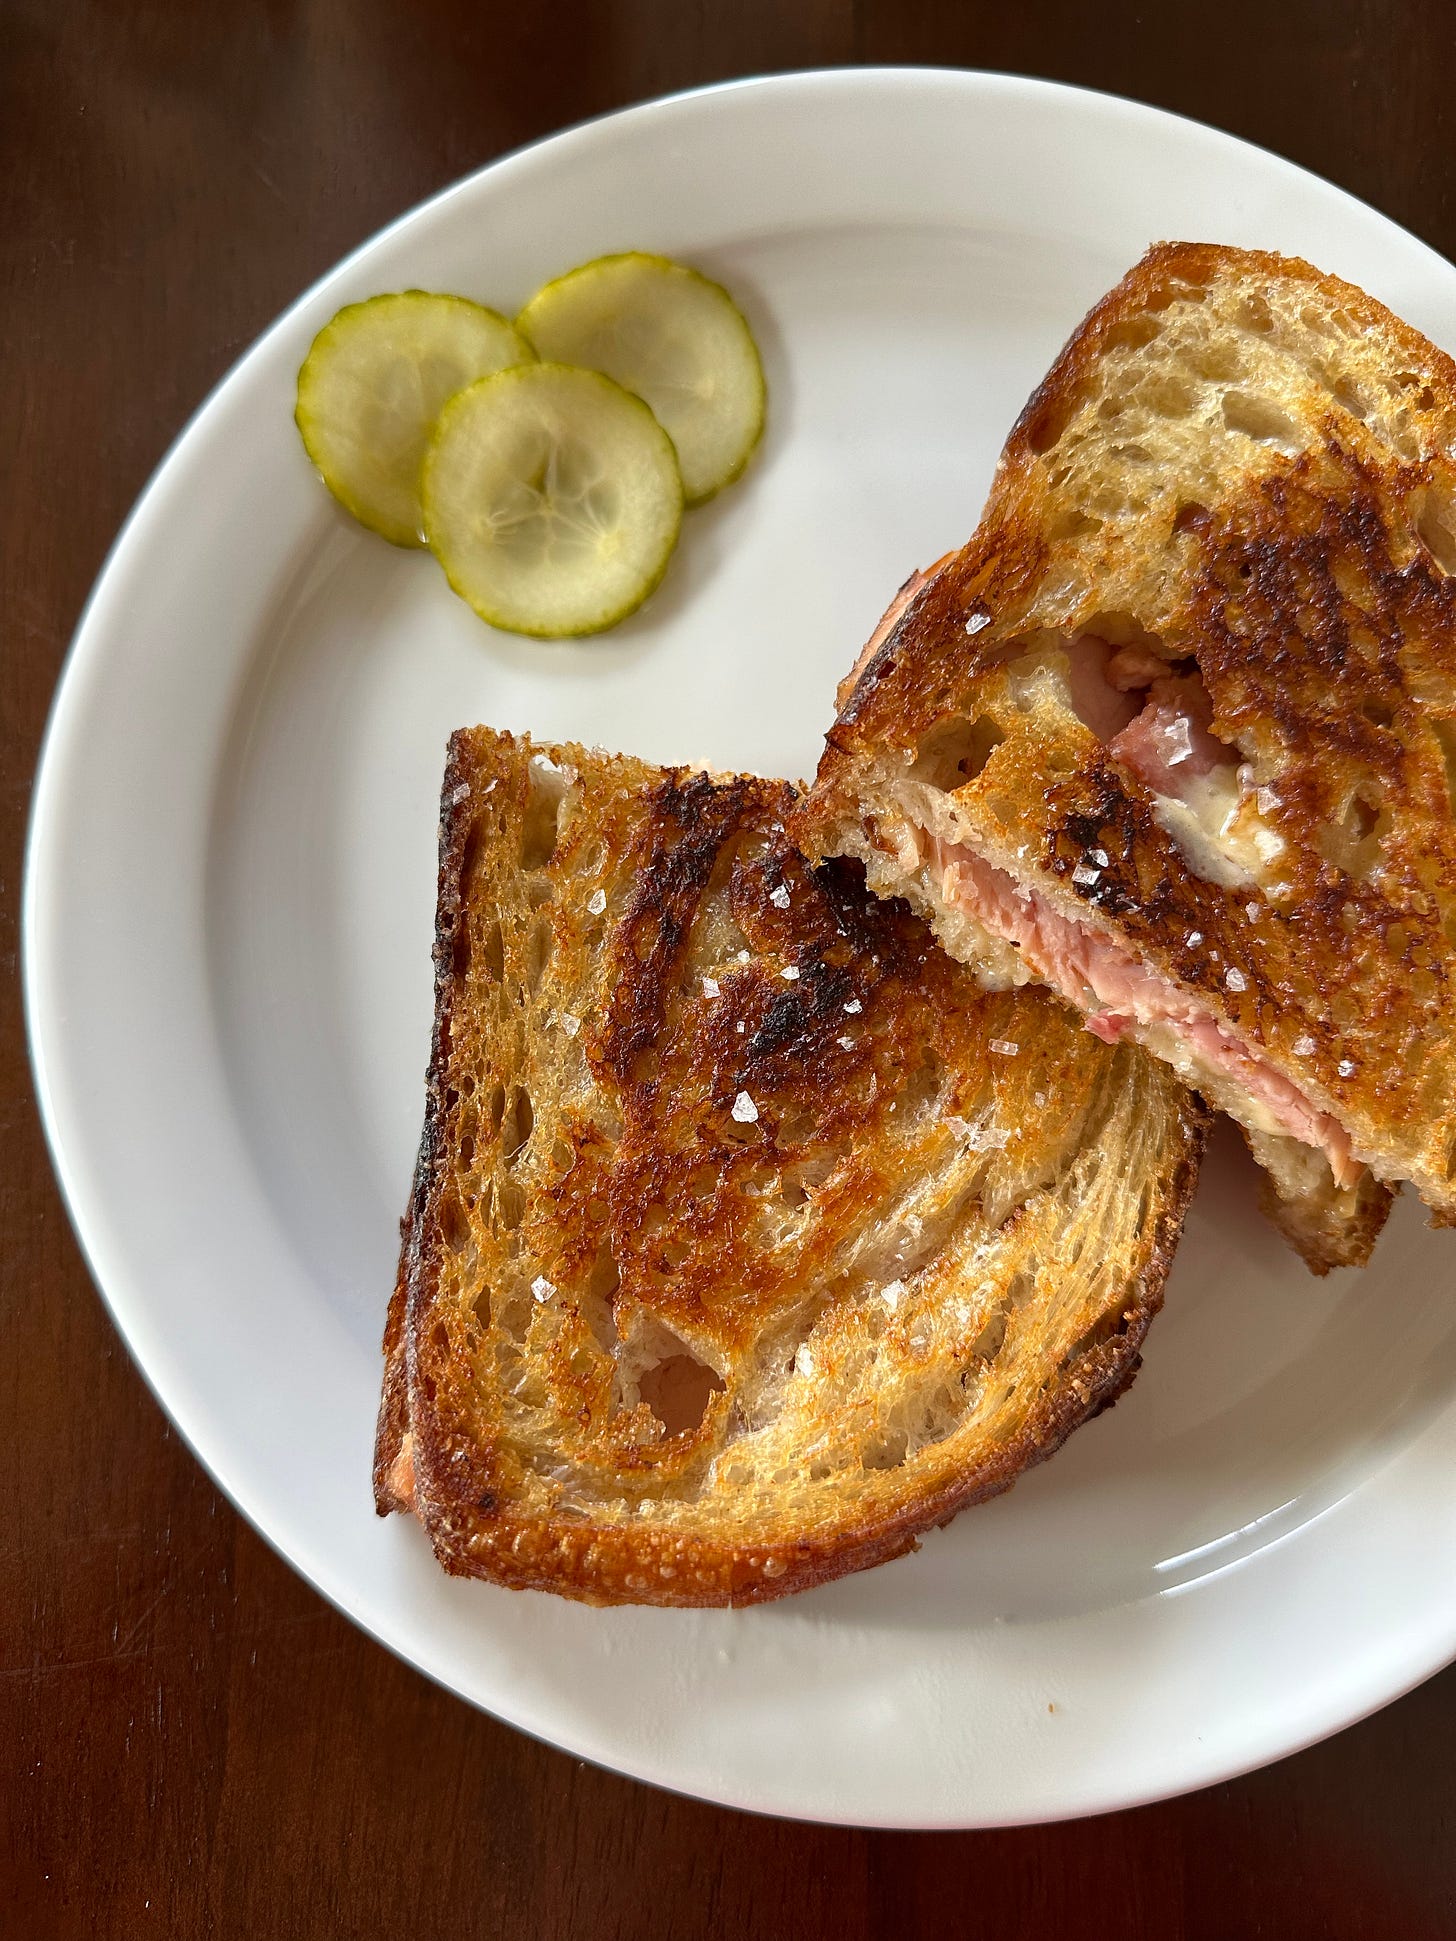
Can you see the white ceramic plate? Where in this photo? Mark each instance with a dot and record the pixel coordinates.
(228, 919)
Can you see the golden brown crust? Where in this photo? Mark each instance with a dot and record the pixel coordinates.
(1248, 464)
(889, 619)
(590, 1216)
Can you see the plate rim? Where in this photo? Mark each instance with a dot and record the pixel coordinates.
(88, 639)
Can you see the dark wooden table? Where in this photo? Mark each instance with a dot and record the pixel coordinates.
(191, 1742)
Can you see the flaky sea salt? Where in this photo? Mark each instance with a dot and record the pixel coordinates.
(1177, 742)
(1346, 1068)
(854, 1007)
(1195, 937)
(1038, 1099)
(893, 1294)
(846, 1043)
(1005, 1047)
(780, 897)
(1252, 911)
(570, 1024)
(1101, 858)
(743, 956)
(988, 1138)
(542, 1289)
(1235, 979)
(1084, 874)
(744, 1109)
(711, 987)
(975, 622)
(791, 972)
(597, 902)
(1267, 800)
(1304, 1047)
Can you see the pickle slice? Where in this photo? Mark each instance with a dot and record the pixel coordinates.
(372, 386)
(674, 338)
(552, 499)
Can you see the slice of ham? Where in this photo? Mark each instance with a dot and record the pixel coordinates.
(1169, 746)
(1135, 667)
(1117, 994)
(400, 1482)
(1096, 701)
(1156, 723)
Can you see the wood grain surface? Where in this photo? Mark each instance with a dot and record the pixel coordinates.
(191, 1742)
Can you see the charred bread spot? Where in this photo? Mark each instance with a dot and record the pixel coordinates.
(1337, 676)
(673, 862)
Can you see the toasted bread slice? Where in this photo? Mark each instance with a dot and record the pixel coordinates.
(1176, 731)
(749, 1237)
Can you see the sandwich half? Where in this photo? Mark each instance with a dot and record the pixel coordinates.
(749, 1236)
(1175, 732)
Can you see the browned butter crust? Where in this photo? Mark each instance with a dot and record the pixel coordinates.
(1248, 466)
(718, 1282)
